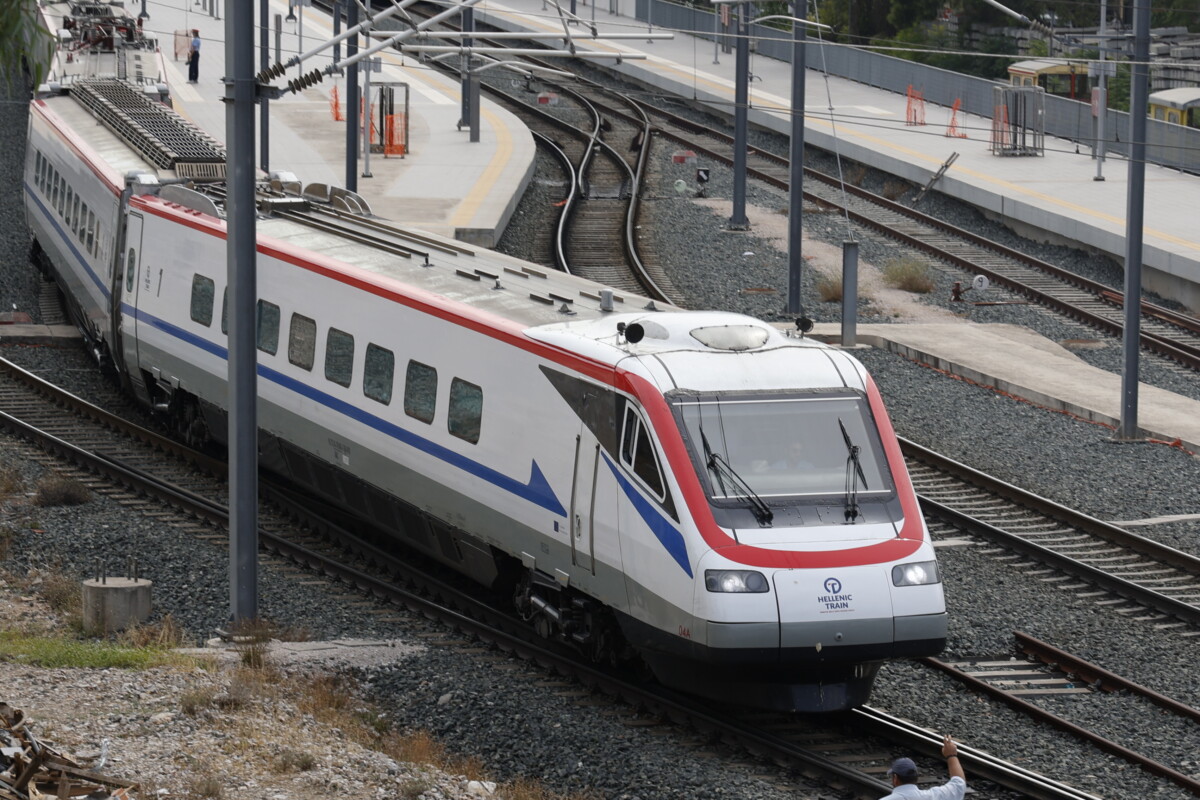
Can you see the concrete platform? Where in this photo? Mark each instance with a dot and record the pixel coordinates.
(1014, 360)
(445, 184)
(1054, 196)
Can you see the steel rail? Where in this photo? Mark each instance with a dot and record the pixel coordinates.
(1098, 677)
(568, 169)
(1120, 586)
(111, 420)
(1076, 519)
(1041, 715)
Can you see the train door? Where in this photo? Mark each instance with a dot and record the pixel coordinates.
(131, 266)
(583, 500)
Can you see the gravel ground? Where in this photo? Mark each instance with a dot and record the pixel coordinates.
(518, 728)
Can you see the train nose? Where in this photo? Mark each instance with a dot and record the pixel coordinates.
(837, 607)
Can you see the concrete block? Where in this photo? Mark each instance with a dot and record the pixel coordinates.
(114, 604)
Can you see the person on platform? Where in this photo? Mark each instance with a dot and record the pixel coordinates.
(194, 57)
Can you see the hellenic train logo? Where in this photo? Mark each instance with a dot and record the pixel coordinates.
(834, 599)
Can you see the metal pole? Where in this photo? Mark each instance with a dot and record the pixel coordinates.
(1102, 94)
(143, 14)
(796, 154)
(849, 294)
(240, 90)
(264, 61)
(1138, 90)
(650, 19)
(474, 88)
(300, 32)
(468, 26)
(366, 64)
(278, 38)
(337, 29)
(738, 221)
(352, 102)
(716, 35)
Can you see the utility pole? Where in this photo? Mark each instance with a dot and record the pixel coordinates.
(1102, 93)
(241, 89)
(352, 101)
(796, 155)
(741, 102)
(264, 61)
(1135, 208)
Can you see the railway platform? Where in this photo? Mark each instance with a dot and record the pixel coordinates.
(442, 183)
(1053, 197)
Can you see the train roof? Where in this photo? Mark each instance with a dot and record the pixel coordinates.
(1181, 97)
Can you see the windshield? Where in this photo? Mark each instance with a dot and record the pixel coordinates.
(792, 447)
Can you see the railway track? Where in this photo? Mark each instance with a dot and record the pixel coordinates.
(596, 235)
(1051, 674)
(957, 498)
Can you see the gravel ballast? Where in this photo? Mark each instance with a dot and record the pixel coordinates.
(518, 727)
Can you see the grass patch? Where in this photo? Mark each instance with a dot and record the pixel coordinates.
(12, 484)
(62, 593)
(910, 275)
(162, 634)
(205, 786)
(60, 652)
(7, 536)
(55, 490)
(829, 289)
(293, 760)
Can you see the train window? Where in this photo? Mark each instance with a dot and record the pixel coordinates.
(59, 193)
(466, 410)
(130, 270)
(91, 232)
(637, 452)
(225, 311)
(68, 198)
(37, 169)
(268, 327)
(339, 356)
(420, 391)
(81, 212)
(378, 370)
(203, 293)
(302, 341)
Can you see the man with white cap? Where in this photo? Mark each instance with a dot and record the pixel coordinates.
(904, 778)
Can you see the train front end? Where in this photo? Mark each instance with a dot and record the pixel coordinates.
(813, 565)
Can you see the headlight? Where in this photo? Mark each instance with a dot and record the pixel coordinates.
(916, 574)
(734, 580)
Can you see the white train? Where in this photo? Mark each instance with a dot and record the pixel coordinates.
(699, 490)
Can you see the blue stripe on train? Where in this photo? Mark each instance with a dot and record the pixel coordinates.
(666, 533)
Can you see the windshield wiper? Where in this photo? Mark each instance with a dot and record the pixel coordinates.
(721, 469)
(854, 473)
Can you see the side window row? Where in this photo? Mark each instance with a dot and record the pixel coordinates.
(80, 220)
(465, 415)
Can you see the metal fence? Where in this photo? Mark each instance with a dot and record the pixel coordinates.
(1171, 145)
